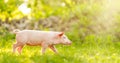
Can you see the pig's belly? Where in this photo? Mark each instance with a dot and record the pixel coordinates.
(33, 43)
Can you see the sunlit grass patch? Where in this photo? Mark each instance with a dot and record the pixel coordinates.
(66, 55)
(94, 49)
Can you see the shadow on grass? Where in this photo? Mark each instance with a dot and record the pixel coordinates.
(59, 58)
(37, 58)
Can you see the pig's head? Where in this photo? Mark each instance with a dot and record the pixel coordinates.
(61, 38)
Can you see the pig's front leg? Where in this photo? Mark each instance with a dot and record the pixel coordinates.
(44, 46)
(52, 47)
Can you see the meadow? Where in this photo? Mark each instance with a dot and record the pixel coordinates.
(91, 25)
(94, 49)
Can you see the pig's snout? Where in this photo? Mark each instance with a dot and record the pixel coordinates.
(68, 43)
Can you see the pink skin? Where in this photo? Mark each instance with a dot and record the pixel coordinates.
(39, 38)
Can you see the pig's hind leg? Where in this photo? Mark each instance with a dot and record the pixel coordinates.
(19, 49)
(14, 47)
(17, 45)
(44, 46)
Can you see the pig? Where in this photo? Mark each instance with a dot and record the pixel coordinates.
(44, 39)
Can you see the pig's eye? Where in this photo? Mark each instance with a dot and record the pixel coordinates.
(64, 37)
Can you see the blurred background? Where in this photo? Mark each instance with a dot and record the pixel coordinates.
(80, 18)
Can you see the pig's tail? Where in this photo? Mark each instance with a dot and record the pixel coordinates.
(16, 31)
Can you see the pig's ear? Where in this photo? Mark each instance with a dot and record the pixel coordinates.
(60, 34)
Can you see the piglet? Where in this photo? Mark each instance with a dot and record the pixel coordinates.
(39, 38)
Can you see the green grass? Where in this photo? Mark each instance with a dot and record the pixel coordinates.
(94, 49)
